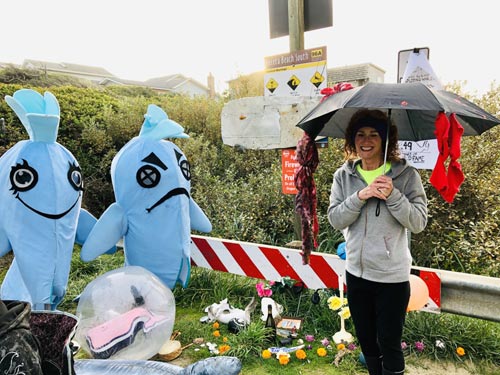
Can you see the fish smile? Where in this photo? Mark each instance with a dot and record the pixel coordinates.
(170, 194)
(44, 214)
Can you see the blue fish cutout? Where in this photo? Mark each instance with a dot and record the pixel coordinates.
(41, 218)
(154, 212)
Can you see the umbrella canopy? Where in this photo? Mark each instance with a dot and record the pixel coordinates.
(414, 109)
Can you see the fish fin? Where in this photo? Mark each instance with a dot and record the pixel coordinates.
(185, 272)
(86, 222)
(199, 221)
(157, 125)
(107, 231)
(20, 112)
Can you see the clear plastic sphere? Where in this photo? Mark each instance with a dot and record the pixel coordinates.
(127, 313)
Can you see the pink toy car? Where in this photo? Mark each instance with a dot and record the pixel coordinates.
(116, 334)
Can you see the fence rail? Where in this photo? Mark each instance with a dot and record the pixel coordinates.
(459, 293)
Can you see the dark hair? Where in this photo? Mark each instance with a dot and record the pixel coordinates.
(378, 120)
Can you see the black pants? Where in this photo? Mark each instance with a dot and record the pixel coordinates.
(378, 312)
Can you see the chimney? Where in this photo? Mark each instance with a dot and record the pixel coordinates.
(211, 85)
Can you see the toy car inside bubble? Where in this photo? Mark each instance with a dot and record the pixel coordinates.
(127, 313)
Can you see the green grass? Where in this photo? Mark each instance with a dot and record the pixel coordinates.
(480, 339)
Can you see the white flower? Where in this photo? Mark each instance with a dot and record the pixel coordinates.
(440, 344)
(212, 348)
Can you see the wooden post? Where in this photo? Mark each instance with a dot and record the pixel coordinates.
(296, 33)
(296, 24)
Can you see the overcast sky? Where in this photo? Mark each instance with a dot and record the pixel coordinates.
(149, 38)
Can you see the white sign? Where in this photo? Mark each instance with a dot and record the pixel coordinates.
(421, 154)
(419, 69)
(263, 122)
(299, 73)
(404, 56)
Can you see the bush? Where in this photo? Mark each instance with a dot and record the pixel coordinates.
(240, 190)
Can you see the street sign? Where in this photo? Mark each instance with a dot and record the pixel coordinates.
(404, 56)
(289, 165)
(298, 73)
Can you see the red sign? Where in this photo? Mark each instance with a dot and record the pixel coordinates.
(289, 166)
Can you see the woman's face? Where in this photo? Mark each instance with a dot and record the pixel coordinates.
(368, 144)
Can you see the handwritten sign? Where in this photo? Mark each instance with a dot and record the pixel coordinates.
(421, 154)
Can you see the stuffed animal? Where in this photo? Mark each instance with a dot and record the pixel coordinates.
(41, 190)
(154, 211)
(223, 312)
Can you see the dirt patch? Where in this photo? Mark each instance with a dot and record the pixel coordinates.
(182, 361)
(428, 367)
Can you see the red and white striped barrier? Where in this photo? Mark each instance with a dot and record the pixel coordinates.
(272, 263)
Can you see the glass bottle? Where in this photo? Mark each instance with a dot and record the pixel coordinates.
(271, 325)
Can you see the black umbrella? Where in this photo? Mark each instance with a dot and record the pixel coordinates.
(413, 108)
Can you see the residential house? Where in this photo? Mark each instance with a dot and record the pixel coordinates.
(175, 83)
(90, 73)
(356, 75)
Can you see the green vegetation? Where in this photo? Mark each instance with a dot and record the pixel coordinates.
(240, 190)
(479, 339)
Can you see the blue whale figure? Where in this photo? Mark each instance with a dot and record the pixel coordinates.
(153, 212)
(40, 205)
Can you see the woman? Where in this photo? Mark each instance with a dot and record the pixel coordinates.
(374, 204)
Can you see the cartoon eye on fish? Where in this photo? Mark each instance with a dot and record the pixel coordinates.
(41, 189)
(154, 211)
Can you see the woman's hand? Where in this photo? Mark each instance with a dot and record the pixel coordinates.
(380, 188)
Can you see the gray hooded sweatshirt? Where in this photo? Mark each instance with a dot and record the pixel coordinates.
(377, 246)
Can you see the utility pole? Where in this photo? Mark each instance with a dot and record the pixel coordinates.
(296, 24)
(296, 34)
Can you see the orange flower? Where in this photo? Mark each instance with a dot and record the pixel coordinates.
(223, 349)
(266, 354)
(224, 339)
(301, 354)
(284, 359)
(321, 352)
(340, 346)
(216, 325)
(460, 351)
(216, 333)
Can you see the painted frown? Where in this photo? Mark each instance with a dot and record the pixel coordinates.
(40, 199)
(153, 212)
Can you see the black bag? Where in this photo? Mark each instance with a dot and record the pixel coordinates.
(54, 330)
(19, 347)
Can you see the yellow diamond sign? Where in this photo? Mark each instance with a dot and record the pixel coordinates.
(317, 79)
(272, 85)
(293, 82)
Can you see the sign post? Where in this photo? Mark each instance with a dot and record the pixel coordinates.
(414, 66)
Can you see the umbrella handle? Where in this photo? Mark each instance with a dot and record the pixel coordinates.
(377, 210)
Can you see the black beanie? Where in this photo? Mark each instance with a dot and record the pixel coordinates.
(379, 125)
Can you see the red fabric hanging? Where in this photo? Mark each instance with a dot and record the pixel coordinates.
(438, 177)
(448, 134)
(305, 200)
(455, 174)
